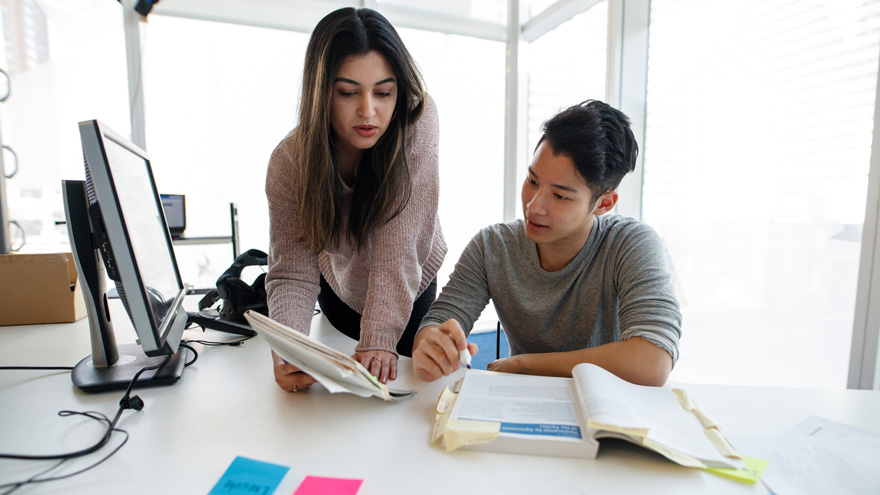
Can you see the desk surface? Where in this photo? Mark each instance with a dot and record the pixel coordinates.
(227, 404)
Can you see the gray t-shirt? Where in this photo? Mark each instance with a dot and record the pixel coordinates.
(617, 287)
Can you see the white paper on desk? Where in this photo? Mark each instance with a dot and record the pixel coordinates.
(808, 466)
(821, 428)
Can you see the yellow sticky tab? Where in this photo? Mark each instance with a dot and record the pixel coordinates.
(462, 432)
(752, 473)
(673, 455)
(721, 445)
(624, 430)
(445, 401)
(439, 426)
(705, 419)
(683, 399)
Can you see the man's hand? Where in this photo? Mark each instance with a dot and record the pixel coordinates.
(289, 377)
(512, 364)
(381, 364)
(437, 350)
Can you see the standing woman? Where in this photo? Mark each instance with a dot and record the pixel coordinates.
(353, 193)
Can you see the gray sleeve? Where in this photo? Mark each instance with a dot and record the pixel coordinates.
(647, 304)
(466, 294)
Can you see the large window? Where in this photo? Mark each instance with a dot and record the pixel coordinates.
(63, 69)
(219, 98)
(470, 101)
(566, 66)
(759, 120)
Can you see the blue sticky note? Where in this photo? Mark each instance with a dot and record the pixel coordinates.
(249, 477)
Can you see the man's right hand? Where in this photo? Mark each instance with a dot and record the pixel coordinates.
(289, 377)
(437, 350)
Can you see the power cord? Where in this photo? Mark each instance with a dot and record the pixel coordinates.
(127, 402)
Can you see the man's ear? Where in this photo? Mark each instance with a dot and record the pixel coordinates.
(606, 203)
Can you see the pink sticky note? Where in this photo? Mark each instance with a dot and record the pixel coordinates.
(316, 485)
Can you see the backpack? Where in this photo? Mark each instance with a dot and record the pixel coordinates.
(238, 296)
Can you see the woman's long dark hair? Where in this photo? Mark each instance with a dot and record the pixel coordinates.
(383, 182)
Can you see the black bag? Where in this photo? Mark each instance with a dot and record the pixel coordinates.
(236, 294)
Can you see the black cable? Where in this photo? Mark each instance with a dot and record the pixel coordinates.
(36, 478)
(127, 402)
(186, 345)
(210, 343)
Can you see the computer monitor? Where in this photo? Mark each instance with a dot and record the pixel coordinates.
(174, 206)
(117, 229)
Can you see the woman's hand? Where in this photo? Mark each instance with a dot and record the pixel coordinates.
(289, 377)
(381, 364)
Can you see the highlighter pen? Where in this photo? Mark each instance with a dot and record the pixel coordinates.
(465, 357)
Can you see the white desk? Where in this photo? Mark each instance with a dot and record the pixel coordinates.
(228, 404)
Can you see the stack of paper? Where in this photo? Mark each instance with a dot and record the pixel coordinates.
(332, 369)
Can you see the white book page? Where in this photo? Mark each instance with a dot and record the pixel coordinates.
(524, 405)
(611, 400)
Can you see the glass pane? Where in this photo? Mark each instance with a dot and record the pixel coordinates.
(470, 101)
(558, 76)
(482, 10)
(759, 122)
(63, 69)
(219, 98)
(530, 8)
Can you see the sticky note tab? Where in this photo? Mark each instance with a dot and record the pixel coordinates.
(316, 485)
(752, 473)
(623, 430)
(461, 432)
(249, 477)
(683, 399)
(445, 401)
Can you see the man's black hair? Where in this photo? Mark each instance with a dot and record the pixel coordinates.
(598, 139)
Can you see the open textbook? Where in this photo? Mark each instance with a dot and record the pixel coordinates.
(331, 368)
(566, 416)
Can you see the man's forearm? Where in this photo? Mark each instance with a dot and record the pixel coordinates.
(635, 360)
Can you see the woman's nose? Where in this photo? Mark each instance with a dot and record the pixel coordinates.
(367, 108)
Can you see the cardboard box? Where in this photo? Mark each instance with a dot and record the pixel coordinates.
(39, 288)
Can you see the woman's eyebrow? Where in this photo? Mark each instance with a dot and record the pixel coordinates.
(351, 81)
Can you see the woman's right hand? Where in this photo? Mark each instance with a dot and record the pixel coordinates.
(289, 377)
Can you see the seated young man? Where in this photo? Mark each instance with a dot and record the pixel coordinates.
(570, 284)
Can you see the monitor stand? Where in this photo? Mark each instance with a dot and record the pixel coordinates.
(90, 378)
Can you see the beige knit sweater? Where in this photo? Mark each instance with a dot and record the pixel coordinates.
(383, 278)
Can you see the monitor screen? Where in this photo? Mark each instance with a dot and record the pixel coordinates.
(143, 230)
(174, 206)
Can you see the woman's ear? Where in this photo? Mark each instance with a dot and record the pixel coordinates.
(606, 203)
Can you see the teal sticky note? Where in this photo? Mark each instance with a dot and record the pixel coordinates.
(249, 477)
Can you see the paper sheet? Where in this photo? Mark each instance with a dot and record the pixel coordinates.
(818, 457)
